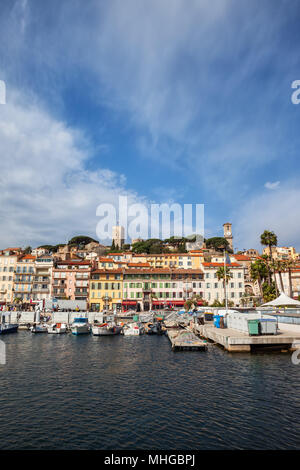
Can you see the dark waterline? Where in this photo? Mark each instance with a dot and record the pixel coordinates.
(67, 392)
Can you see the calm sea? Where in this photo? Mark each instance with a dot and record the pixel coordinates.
(68, 392)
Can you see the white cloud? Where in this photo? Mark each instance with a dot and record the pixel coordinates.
(278, 211)
(272, 186)
(47, 195)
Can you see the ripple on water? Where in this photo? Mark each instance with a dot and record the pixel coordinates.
(69, 392)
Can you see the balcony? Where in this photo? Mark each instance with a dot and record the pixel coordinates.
(147, 289)
(42, 290)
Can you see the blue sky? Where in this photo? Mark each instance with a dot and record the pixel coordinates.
(165, 101)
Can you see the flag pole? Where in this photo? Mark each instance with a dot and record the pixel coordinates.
(226, 302)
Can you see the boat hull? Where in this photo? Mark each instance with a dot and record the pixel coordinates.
(80, 330)
(106, 331)
(38, 329)
(6, 329)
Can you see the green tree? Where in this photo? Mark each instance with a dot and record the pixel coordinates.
(218, 244)
(269, 239)
(269, 291)
(288, 266)
(259, 271)
(81, 240)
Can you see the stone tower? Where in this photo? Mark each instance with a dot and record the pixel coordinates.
(228, 233)
(118, 236)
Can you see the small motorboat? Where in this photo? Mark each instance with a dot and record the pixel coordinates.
(57, 328)
(39, 328)
(80, 326)
(154, 329)
(106, 329)
(133, 329)
(6, 328)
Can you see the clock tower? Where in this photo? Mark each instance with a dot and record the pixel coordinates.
(228, 233)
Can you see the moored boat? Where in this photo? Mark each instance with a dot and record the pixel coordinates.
(5, 325)
(80, 326)
(6, 328)
(133, 329)
(39, 328)
(57, 328)
(106, 329)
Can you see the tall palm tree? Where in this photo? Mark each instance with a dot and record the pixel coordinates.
(259, 272)
(289, 265)
(153, 295)
(279, 267)
(269, 239)
(224, 274)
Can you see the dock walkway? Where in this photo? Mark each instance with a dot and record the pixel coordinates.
(237, 341)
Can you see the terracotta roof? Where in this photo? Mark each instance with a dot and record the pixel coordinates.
(73, 263)
(107, 271)
(242, 258)
(106, 260)
(138, 265)
(28, 257)
(217, 265)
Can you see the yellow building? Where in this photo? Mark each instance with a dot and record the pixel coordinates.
(106, 287)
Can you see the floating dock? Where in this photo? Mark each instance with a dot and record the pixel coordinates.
(237, 341)
(182, 339)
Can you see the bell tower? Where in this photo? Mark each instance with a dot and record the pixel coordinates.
(228, 233)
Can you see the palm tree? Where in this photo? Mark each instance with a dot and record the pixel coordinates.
(279, 266)
(289, 265)
(153, 295)
(269, 239)
(193, 301)
(224, 274)
(259, 272)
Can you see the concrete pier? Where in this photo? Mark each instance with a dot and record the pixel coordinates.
(182, 339)
(237, 341)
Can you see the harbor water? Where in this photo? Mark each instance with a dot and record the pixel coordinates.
(115, 392)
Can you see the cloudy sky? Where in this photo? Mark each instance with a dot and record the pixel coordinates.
(161, 100)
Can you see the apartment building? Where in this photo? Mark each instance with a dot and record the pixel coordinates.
(106, 288)
(42, 282)
(8, 262)
(282, 253)
(70, 279)
(24, 278)
(145, 289)
(214, 289)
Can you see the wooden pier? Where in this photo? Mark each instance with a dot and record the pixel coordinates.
(182, 339)
(237, 341)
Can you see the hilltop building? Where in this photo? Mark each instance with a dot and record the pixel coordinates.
(118, 236)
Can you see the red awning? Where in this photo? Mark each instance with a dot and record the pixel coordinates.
(129, 302)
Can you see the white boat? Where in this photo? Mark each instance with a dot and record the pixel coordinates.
(39, 328)
(133, 329)
(106, 329)
(80, 326)
(57, 328)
